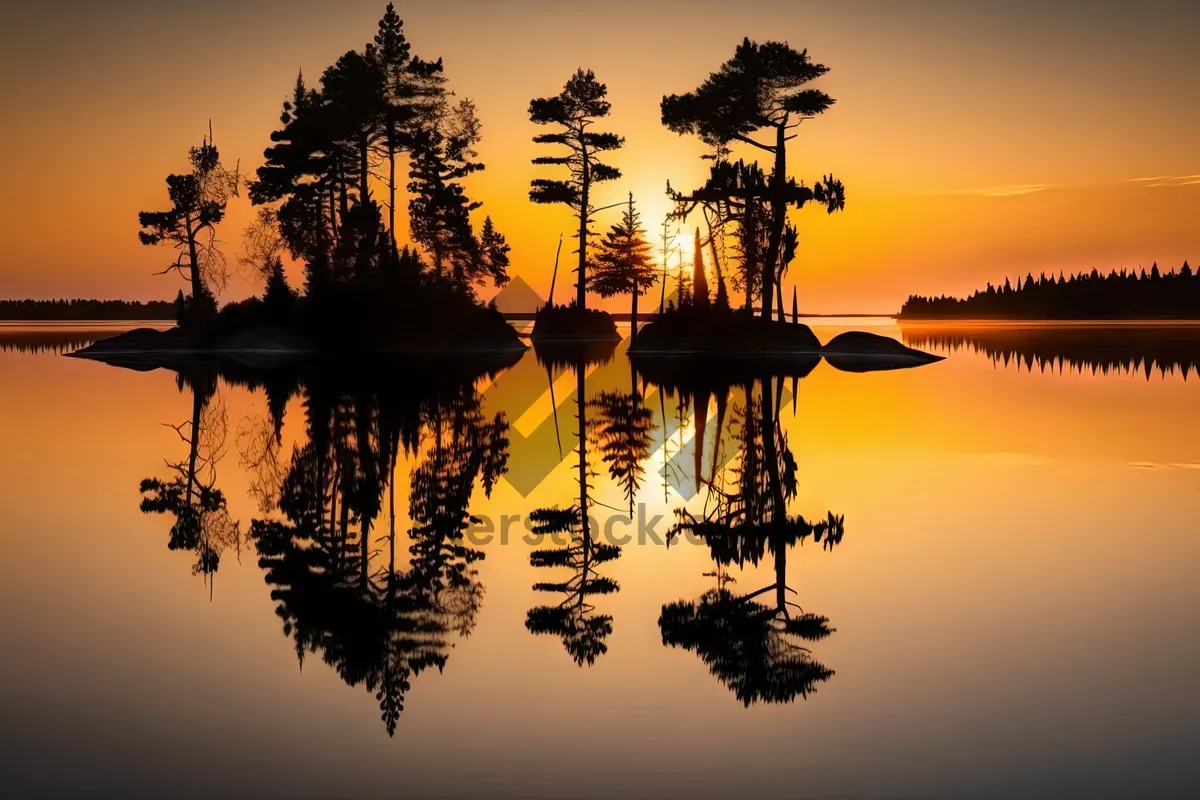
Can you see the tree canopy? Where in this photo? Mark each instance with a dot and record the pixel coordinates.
(762, 87)
(582, 102)
(623, 263)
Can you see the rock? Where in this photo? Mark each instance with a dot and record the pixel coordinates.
(724, 333)
(858, 351)
(139, 341)
(263, 339)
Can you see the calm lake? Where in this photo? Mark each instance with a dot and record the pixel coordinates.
(982, 580)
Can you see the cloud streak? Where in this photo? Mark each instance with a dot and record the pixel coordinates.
(1014, 190)
(1156, 181)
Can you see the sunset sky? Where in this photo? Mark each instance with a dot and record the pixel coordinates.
(975, 139)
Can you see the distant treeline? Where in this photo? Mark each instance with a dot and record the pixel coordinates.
(85, 309)
(1118, 295)
(19, 339)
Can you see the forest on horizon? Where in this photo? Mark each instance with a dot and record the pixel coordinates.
(1082, 296)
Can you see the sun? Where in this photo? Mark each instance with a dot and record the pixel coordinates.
(683, 244)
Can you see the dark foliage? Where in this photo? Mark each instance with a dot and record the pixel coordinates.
(62, 310)
(333, 543)
(752, 647)
(373, 107)
(762, 87)
(572, 534)
(201, 521)
(622, 263)
(1117, 295)
(571, 323)
(582, 102)
(189, 226)
(623, 437)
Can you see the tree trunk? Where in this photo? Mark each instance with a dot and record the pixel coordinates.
(633, 317)
(343, 197)
(583, 495)
(554, 276)
(364, 191)
(771, 454)
(392, 525)
(722, 290)
(781, 577)
(581, 283)
(365, 536)
(778, 220)
(193, 445)
(392, 182)
(333, 221)
(197, 283)
(750, 265)
(662, 299)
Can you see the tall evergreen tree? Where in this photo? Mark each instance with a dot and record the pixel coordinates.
(440, 210)
(699, 280)
(623, 264)
(298, 174)
(582, 102)
(393, 50)
(764, 86)
(354, 87)
(493, 254)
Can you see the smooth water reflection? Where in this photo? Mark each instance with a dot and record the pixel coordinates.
(951, 581)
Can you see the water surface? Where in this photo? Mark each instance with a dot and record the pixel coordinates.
(980, 580)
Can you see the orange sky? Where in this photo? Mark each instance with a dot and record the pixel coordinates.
(975, 139)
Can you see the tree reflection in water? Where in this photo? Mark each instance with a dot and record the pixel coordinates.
(190, 495)
(755, 643)
(571, 530)
(379, 617)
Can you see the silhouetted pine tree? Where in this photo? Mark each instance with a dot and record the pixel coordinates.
(370, 108)
(398, 112)
(761, 87)
(440, 210)
(582, 102)
(753, 642)
(622, 264)
(493, 254)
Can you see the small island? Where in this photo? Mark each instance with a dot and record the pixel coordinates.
(739, 201)
(327, 196)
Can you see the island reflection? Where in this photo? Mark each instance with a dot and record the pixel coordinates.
(381, 588)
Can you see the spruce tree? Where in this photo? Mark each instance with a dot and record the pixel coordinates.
(493, 254)
(393, 49)
(699, 279)
(439, 211)
(623, 264)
